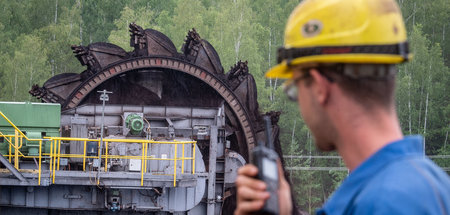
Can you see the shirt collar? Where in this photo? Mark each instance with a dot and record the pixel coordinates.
(337, 203)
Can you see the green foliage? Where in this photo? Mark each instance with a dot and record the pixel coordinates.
(142, 16)
(25, 68)
(59, 37)
(187, 14)
(433, 16)
(98, 19)
(422, 92)
(444, 151)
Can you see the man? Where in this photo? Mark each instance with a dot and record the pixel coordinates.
(339, 57)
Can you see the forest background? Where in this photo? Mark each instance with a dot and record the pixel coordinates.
(35, 39)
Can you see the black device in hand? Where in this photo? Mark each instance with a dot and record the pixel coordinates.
(265, 158)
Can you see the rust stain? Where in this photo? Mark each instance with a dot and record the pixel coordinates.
(79, 95)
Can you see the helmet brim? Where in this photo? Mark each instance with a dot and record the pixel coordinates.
(283, 71)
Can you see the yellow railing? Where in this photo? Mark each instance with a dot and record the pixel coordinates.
(18, 138)
(55, 152)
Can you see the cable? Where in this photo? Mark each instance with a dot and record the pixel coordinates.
(149, 131)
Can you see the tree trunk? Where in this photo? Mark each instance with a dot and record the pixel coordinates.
(237, 46)
(31, 80)
(443, 35)
(270, 62)
(56, 17)
(309, 199)
(409, 99)
(445, 142)
(425, 125)
(52, 62)
(15, 86)
(272, 90)
(56, 11)
(426, 111)
(81, 23)
(237, 39)
(310, 145)
(276, 83)
(324, 197)
(293, 132)
(420, 108)
(54, 36)
(443, 40)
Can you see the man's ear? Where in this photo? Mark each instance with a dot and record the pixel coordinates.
(322, 86)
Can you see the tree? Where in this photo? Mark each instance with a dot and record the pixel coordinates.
(269, 15)
(28, 66)
(433, 16)
(235, 33)
(422, 92)
(59, 36)
(187, 15)
(120, 36)
(98, 19)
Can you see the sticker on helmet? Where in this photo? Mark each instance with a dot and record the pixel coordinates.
(312, 28)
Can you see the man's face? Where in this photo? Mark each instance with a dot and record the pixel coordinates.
(314, 114)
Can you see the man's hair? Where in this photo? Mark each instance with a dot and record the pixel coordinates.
(369, 90)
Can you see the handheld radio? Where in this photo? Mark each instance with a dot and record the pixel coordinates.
(265, 158)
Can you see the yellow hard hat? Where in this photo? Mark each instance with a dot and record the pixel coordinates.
(342, 31)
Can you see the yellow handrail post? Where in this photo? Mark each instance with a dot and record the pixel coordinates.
(16, 149)
(175, 167)
(193, 159)
(146, 153)
(20, 146)
(106, 156)
(10, 150)
(84, 156)
(54, 161)
(51, 156)
(59, 152)
(182, 161)
(99, 162)
(146, 156)
(146, 163)
(40, 159)
(142, 164)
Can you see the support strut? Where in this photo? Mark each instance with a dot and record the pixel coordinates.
(13, 170)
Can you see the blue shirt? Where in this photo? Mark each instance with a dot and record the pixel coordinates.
(397, 179)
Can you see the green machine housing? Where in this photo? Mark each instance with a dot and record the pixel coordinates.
(35, 120)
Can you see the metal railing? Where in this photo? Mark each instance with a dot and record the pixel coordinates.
(18, 138)
(55, 155)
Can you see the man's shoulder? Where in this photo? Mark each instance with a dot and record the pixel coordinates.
(409, 172)
(408, 186)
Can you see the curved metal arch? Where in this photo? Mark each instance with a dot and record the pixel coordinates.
(166, 62)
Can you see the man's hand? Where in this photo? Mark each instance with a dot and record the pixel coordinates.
(252, 194)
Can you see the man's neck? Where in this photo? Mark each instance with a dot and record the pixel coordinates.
(362, 134)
